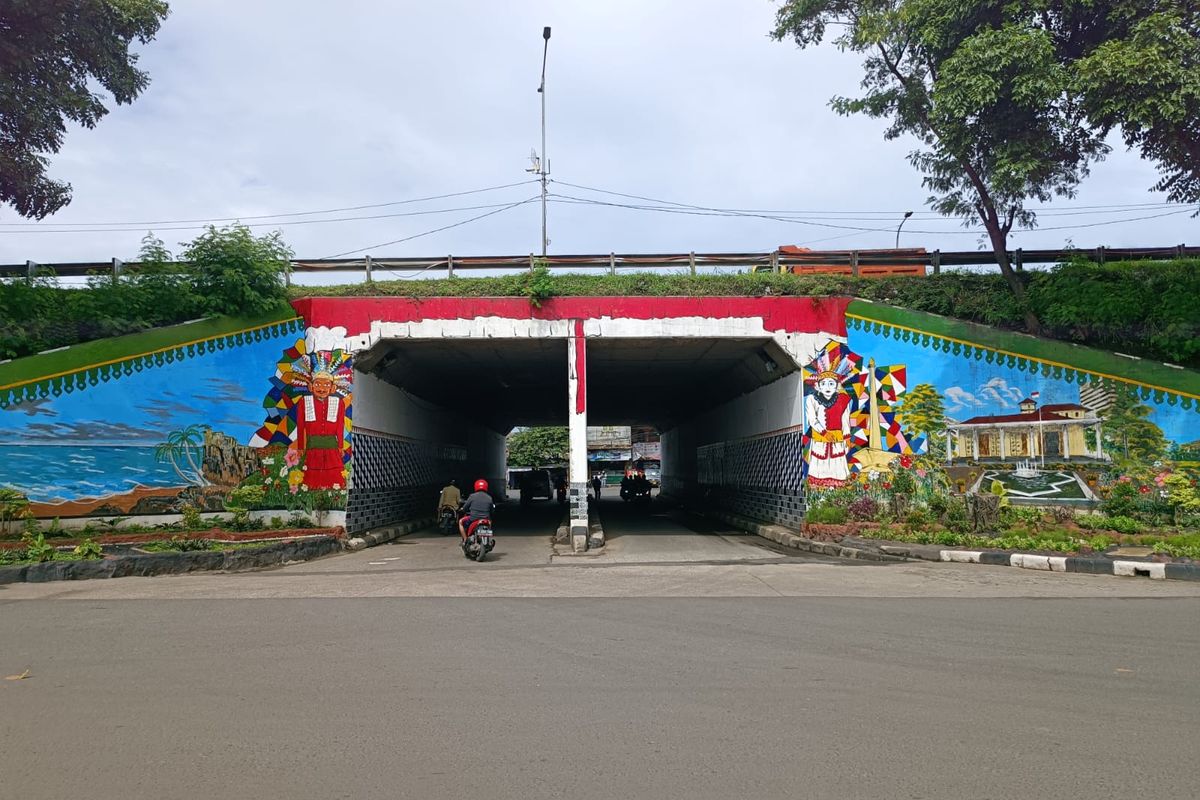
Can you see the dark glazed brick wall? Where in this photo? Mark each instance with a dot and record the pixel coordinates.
(758, 478)
(397, 479)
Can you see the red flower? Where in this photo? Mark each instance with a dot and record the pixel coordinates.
(887, 485)
(1144, 489)
(866, 486)
(906, 461)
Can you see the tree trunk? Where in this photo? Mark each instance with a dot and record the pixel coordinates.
(999, 239)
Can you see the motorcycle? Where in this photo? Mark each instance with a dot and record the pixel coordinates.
(447, 520)
(480, 540)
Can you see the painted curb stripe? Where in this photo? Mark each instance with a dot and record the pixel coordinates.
(1132, 569)
(1085, 566)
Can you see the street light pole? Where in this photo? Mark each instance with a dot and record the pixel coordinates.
(545, 164)
(907, 214)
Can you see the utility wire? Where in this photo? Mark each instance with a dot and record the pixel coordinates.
(1049, 210)
(272, 224)
(703, 211)
(435, 230)
(272, 216)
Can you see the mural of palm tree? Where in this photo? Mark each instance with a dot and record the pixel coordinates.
(180, 446)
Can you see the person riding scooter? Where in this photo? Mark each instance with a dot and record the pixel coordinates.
(478, 505)
(450, 499)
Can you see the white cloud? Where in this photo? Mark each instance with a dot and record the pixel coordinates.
(960, 398)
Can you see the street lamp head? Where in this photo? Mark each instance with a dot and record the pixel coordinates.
(546, 33)
(907, 214)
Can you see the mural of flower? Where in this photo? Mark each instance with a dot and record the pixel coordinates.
(906, 461)
(291, 458)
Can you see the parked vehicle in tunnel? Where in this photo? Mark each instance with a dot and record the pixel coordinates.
(480, 539)
(635, 489)
(535, 485)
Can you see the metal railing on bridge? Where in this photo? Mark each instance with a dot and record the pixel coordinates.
(775, 261)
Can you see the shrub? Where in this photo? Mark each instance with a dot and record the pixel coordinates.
(192, 520)
(1122, 499)
(88, 549)
(863, 509)
(1121, 524)
(36, 548)
(827, 514)
(237, 273)
(184, 544)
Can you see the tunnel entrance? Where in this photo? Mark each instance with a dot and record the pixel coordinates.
(440, 381)
(469, 393)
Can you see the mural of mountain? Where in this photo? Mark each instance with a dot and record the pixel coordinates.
(226, 462)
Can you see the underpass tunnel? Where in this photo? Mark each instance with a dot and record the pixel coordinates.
(430, 409)
(729, 411)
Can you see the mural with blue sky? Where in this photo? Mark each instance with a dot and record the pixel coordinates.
(972, 387)
(100, 441)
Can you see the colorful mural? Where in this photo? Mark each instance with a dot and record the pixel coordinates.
(146, 435)
(852, 418)
(306, 438)
(1042, 432)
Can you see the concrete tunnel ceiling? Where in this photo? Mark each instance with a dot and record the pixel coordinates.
(509, 382)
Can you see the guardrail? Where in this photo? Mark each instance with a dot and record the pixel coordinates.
(613, 262)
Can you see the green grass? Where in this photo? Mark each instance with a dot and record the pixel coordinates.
(102, 351)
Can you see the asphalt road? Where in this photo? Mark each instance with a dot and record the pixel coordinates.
(714, 668)
(600, 698)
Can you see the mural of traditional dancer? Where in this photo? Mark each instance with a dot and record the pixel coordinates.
(852, 421)
(309, 413)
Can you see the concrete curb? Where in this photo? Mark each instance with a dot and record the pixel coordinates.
(1155, 570)
(595, 529)
(382, 535)
(151, 564)
(782, 536)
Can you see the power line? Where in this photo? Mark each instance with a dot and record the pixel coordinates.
(1048, 210)
(272, 216)
(435, 230)
(686, 209)
(271, 224)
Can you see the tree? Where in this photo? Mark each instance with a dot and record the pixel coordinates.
(922, 411)
(1128, 431)
(536, 447)
(53, 53)
(236, 272)
(1145, 80)
(1011, 99)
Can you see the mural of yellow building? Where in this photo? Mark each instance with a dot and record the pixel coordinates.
(1056, 431)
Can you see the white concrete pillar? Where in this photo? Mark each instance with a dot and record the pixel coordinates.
(577, 467)
(1066, 440)
(950, 440)
(1003, 446)
(1099, 441)
(975, 439)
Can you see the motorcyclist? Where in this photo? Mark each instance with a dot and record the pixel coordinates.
(451, 498)
(478, 505)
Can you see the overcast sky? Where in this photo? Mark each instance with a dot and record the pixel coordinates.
(271, 107)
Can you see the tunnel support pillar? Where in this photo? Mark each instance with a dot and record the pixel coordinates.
(577, 435)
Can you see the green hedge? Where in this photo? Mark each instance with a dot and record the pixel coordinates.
(1142, 308)
(41, 316)
(1149, 309)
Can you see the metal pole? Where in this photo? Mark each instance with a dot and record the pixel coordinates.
(907, 214)
(545, 165)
